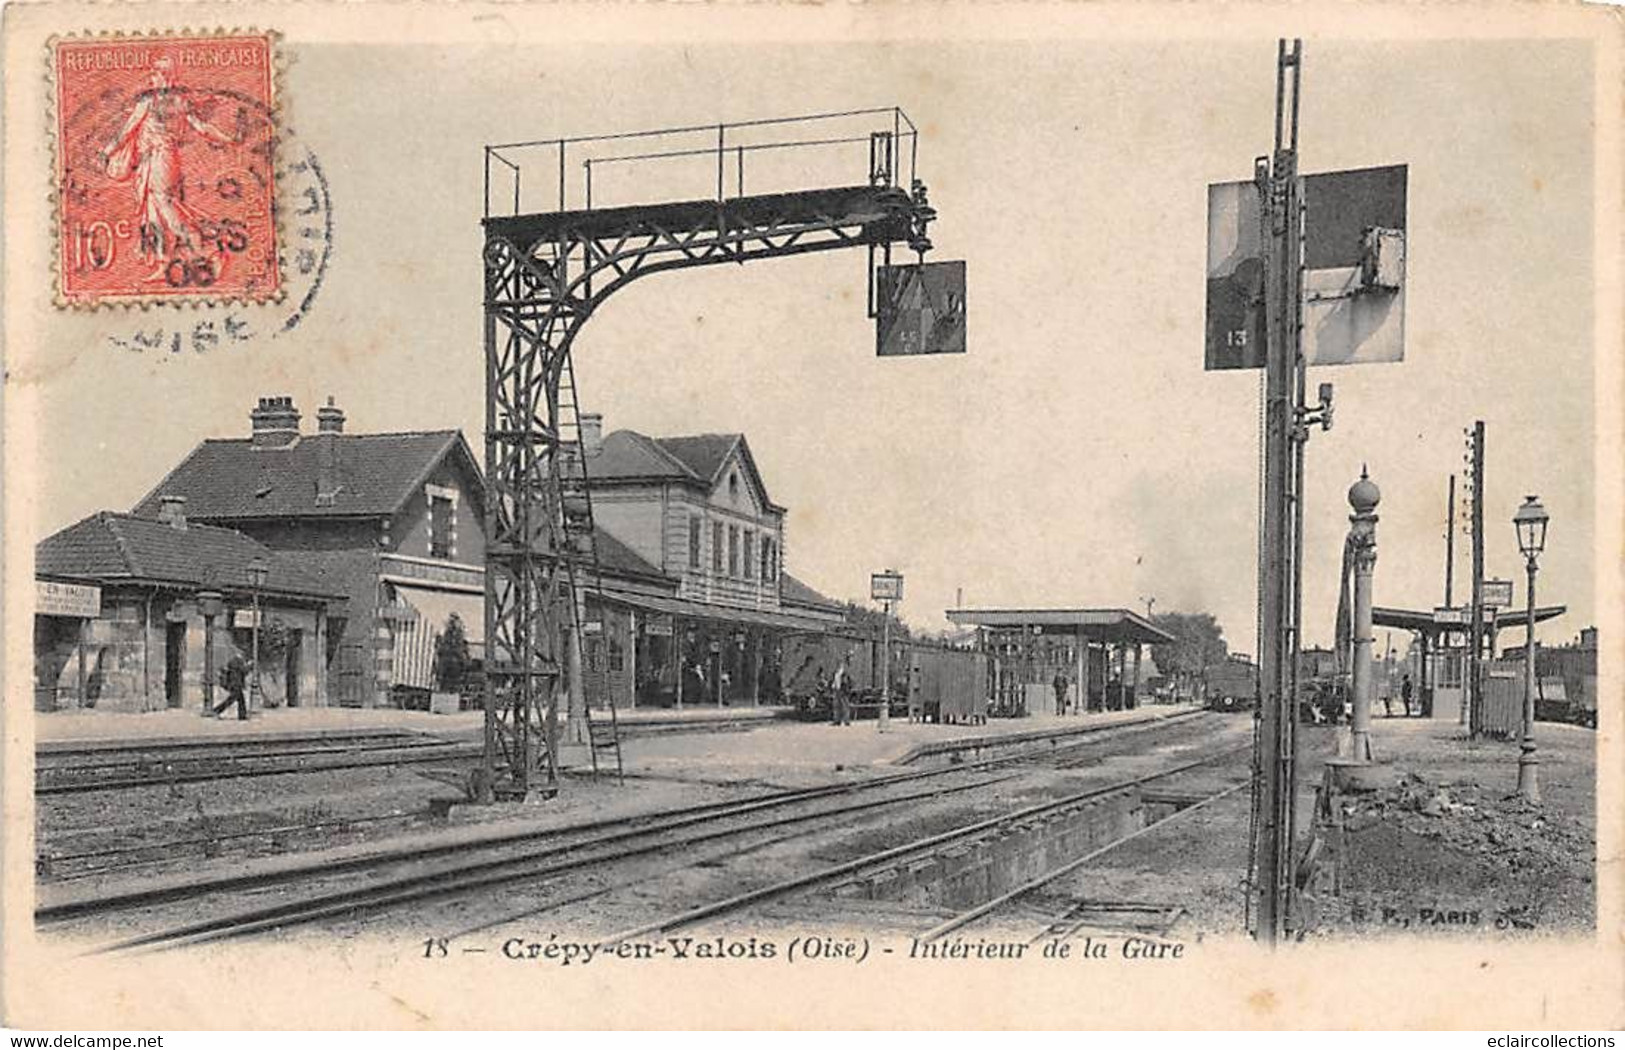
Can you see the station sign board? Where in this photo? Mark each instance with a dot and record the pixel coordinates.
(82, 600)
(658, 625)
(920, 309)
(1461, 616)
(886, 586)
(1353, 263)
(1498, 593)
(246, 617)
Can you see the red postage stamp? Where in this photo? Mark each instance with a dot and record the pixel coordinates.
(165, 169)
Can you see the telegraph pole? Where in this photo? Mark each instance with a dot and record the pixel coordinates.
(1475, 627)
(1450, 542)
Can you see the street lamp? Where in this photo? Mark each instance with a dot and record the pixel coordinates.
(258, 571)
(885, 587)
(1530, 522)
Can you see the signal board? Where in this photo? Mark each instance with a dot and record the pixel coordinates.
(920, 309)
(1354, 270)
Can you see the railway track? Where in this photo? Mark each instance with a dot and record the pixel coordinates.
(1074, 919)
(546, 861)
(62, 770)
(139, 768)
(74, 864)
(391, 878)
(832, 876)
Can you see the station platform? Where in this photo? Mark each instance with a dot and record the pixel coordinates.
(89, 728)
(821, 748)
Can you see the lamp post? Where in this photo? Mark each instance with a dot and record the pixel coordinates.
(209, 603)
(258, 572)
(885, 587)
(1530, 523)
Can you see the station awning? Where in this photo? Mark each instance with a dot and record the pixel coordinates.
(691, 610)
(1095, 625)
(1429, 621)
(418, 615)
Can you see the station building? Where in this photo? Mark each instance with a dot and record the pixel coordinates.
(377, 541)
(706, 622)
(394, 522)
(120, 626)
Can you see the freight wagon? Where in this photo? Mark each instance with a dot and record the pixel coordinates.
(1232, 685)
(929, 682)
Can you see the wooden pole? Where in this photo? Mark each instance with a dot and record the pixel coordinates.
(1080, 656)
(756, 668)
(1475, 629)
(632, 659)
(84, 625)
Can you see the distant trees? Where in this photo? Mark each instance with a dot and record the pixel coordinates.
(870, 621)
(451, 656)
(1198, 644)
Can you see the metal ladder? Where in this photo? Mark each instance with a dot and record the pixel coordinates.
(581, 552)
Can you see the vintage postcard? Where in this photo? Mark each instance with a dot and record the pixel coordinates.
(475, 556)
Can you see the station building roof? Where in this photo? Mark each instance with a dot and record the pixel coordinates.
(1095, 625)
(110, 549)
(232, 479)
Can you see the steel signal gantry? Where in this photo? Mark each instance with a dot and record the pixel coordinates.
(545, 275)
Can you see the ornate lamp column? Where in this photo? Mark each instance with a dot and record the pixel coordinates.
(1363, 498)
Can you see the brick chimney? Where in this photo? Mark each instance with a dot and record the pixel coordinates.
(330, 418)
(592, 433)
(329, 425)
(172, 510)
(275, 422)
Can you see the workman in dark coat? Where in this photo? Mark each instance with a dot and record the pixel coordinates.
(1060, 683)
(235, 679)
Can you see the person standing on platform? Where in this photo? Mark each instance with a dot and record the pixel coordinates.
(1060, 684)
(841, 686)
(235, 679)
(1405, 694)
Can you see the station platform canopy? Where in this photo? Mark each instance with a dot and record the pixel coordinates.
(726, 614)
(1112, 626)
(1435, 622)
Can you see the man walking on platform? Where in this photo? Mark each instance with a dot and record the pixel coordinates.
(1060, 684)
(235, 678)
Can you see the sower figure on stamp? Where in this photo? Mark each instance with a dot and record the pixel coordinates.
(235, 678)
(148, 147)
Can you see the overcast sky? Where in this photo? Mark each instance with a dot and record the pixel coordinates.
(1077, 455)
